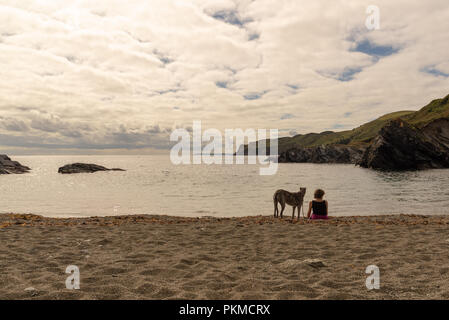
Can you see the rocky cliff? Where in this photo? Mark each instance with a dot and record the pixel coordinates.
(438, 132)
(397, 146)
(7, 166)
(401, 146)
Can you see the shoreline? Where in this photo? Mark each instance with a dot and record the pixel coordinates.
(9, 219)
(259, 257)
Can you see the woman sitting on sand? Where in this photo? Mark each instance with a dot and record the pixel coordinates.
(318, 205)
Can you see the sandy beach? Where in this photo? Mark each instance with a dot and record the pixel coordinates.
(162, 257)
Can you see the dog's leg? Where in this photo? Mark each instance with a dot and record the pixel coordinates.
(293, 214)
(282, 209)
(276, 210)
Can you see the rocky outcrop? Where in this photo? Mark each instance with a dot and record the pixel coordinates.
(324, 154)
(400, 146)
(84, 168)
(7, 166)
(438, 132)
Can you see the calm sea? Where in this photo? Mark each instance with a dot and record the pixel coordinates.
(152, 185)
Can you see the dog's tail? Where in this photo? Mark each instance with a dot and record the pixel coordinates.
(276, 196)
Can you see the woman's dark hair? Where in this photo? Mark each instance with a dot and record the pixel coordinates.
(319, 194)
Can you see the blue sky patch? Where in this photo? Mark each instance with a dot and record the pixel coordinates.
(162, 57)
(254, 96)
(435, 72)
(221, 84)
(375, 50)
(347, 74)
(230, 16)
(293, 86)
(253, 36)
(161, 92)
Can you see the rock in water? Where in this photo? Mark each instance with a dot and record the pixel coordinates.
(8, 166)
(400, 146)
(84, 168)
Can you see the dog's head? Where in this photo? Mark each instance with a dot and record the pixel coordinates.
(302, 191)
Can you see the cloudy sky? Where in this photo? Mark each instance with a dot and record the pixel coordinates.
(118, 76)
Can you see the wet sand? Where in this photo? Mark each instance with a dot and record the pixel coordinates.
(162, 257)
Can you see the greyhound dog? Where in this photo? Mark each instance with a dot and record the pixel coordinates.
(295, 199)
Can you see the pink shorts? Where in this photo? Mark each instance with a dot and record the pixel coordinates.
(317, 217)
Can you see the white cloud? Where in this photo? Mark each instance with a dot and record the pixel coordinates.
(108, 73)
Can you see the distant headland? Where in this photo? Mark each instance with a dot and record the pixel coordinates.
(404, 140)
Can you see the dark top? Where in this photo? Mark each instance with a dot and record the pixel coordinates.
(319, 208)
